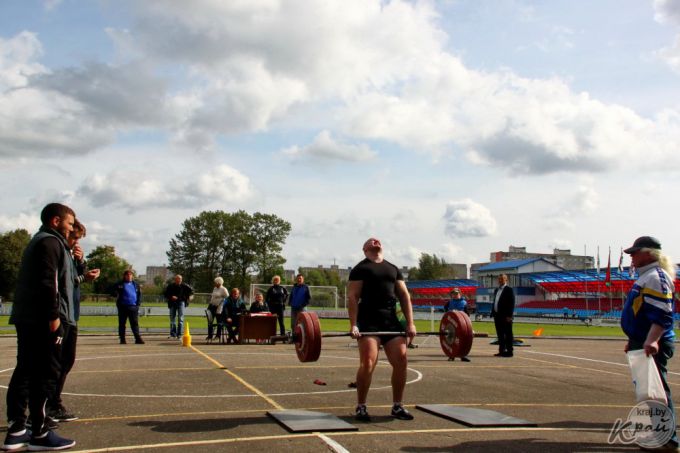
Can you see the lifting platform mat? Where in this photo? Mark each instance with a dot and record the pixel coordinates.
(473, 417)
(299, 421)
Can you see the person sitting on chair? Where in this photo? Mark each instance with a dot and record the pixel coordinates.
(233, 307)
(259, 306)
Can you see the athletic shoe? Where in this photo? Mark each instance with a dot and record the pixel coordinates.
(16, 441)
(62, 415)
(464, 359)
(49, 423)
(50, 441)
(401, 413)
(361, 414)
(123, 341)
(139, 341)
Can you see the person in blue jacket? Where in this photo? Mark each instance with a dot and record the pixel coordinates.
(299, 299)
(647, 316)
(456, 303)
(128, 299)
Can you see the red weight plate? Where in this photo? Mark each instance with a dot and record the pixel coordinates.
(307, 343)
(456, 334)
(315, 351)
(302, 337)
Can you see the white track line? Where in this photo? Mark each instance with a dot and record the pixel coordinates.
(335, 434)
(586, 359)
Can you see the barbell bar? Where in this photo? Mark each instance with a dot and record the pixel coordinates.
(455, 335)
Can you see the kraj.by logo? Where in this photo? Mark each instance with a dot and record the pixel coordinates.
(650, 424)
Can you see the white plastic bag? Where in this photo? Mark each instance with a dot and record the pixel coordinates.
(646, 379)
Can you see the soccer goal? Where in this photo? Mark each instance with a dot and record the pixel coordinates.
(322, 296)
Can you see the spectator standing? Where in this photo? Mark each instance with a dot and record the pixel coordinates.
(299, 299)
(128, 299)
(55, 407)
(233, 307)
(647, 316)
(215, 305)
(276, 299)
(502, 311)
(43, 301)
(456, 303)
(178, 295)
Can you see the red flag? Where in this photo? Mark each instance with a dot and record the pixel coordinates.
(608, 275)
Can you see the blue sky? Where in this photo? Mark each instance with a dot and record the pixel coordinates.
(455, 127)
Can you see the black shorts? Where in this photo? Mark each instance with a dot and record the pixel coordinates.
(379, 320)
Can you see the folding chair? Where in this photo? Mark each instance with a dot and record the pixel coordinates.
(211, 325)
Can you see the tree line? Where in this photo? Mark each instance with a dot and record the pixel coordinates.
(243, 248)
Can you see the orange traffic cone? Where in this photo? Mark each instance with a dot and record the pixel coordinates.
(186, 338)
(538, 332)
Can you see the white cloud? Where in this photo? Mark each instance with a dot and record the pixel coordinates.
(35, 121)
(29, 222)
(583, 201)
(51, 5)
(129, 94)
(380, 68)
(133, 190)
(17, 57)
(671, 54)
(325, 148)
(466, 218)
(667, 11)
(562, 244)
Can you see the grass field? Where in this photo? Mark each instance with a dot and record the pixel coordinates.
(109, 324)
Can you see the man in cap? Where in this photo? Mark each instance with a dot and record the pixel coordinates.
(374, 287)
(647, 317)
(456, 303)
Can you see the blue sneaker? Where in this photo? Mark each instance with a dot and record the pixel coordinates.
(50, 441)
(16, 441)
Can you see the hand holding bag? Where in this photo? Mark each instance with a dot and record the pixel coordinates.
(646, 379)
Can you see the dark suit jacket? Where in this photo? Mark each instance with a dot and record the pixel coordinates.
(506, 303)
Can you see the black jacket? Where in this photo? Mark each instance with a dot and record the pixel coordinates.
(276, 295)
(46, 279)
(506, 303)
(182, 291)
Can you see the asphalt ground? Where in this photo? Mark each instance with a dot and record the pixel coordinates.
(164, 397)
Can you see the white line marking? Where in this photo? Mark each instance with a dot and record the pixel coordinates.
(586, 359)
(337, 434)
(333, 445)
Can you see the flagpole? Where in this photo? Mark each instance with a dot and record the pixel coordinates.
(585, 272)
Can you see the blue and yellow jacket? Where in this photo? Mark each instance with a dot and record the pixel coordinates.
(650, 301)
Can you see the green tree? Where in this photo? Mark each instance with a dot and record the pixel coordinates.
(233, 245)
(12, 245)
(430, 267)
(112, 267)
(267, 231)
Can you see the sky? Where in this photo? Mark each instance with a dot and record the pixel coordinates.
(455, 128)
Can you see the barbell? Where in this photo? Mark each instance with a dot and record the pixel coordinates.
(455, 335)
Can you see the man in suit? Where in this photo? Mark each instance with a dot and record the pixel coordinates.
(503, 308)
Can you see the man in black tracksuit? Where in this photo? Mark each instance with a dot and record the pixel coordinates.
(276, 299)
(42, 303)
